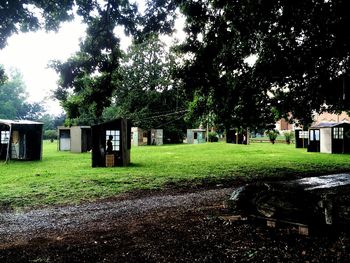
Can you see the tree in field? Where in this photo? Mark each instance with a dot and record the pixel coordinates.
(147, 93)
(13, 103)
(89, 79)
(301, 50)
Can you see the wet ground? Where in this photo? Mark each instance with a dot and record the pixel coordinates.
(168, 226)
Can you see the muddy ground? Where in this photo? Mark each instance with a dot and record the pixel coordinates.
(168, 226)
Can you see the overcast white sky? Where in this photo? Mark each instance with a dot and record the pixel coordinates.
(31, 52)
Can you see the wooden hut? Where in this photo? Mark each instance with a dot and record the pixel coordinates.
(117, 135)
(21, 140)
(330, 138)
(142, 137)
(138, 137)
(155, 137)
(195, 136)
(75, 139)
(301, 138)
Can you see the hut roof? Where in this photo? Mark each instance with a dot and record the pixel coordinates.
(11, 122)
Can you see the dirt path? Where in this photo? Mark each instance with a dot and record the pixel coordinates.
(98, 216)
(156, 227)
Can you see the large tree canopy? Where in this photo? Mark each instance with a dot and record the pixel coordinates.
(147, 93)
(302, 50)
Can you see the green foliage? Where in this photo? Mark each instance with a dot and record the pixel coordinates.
(296, 61)
(272, 134)
(13, 103)
(299, 67)
(89, 78)
(23, 16)
(288, 136)
(147, 93)
(50, 135)
(51, 122)
(213, 137)
(64, 177)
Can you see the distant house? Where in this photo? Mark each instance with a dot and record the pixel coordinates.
(330, 138)
(75, 138)
(21, 140)
(195, 136)
(283, 125)
(116, 133)
(146, 137)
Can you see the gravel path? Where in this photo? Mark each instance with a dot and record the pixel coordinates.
(24, 226)
(157, 228)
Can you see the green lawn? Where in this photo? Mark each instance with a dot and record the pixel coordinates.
(63, 177)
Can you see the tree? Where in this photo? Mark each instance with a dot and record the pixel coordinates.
(13, 103)
(89, 77)
(51, 122)
(147, 93)
(302, 51)
(28, 15)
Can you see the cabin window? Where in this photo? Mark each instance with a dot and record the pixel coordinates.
(195, 136)
(314, 135)
(338, 133)
(115, 139)
(317, 135)
(303, 134)
(5, 137)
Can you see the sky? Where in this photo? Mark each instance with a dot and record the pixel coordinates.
(31, 53)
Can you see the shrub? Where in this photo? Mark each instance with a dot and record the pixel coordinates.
(288, 136)
(213, 137)
(272, 134)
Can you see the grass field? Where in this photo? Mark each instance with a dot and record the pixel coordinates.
(64, 177)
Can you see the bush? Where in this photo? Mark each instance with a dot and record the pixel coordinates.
(213, 137)
(50, 135)
(288, 136)
(272, 134)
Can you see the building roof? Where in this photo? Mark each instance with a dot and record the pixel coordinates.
(68, 127)
(11, 122)
(328, 124)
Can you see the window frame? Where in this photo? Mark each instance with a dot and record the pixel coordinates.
(5, 137)
(116, 139)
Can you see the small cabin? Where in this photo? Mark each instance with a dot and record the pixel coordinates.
(21, 140)
(111, 143)
(75, 138)
(155, 137)
(330, 138)
(141, 137)
(301, 138)
(233, 136)
(195, 136)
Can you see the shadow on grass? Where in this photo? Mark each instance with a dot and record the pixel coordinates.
(135, 165)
